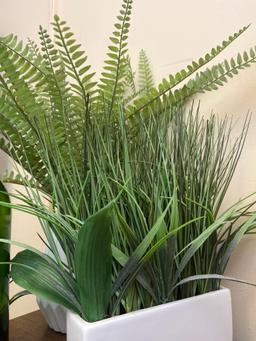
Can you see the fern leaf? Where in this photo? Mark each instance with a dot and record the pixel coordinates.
(167, 85)
(26, 56)
(20, 146)
(146, 79)
(34, 49)
(208, 80)
(129, 83)
(219, 74)
(112, 81)
(14, 82)
(74, 59)
(18, 179)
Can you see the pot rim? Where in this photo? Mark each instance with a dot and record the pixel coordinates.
(134, 314)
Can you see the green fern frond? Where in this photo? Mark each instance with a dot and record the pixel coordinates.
(16, 81)
(26, 56)
(146, 79)
(53, 89)
(26, 98)
(208, 80)
(58, 89)
(20, 145)
(112, 81)
(219, 74)
(26, 104)
(16, 178)
(74, 59)
(129, 83)
(174, 80)
(22, 76)
(51, 56)
(34, 49)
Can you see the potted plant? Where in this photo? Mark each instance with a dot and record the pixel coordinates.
(121, 259)
(133, 184)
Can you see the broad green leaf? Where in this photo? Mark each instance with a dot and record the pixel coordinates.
(93, 264)
(41, 276)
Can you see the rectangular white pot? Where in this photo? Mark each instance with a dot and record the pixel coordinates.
(206, 317)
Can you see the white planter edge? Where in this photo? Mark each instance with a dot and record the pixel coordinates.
(204, 317)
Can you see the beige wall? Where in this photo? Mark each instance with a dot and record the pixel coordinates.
(172, 33)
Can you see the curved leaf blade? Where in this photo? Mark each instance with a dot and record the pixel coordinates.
(93, 264)
(41, 277)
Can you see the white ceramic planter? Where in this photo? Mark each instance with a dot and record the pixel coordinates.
(54, 314)
(206, 317)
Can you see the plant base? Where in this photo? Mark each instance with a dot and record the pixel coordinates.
(204, 317)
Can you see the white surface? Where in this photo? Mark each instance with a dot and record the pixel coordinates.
(202, 318)
(54, 314)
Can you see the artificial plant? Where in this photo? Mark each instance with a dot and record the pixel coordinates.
(55, 80)
(133, 182)
(152, 221)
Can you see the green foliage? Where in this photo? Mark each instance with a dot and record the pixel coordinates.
(40, 275)
(130, 85)
(74, 60)
(80, 144)
(18, 179)
(146, 81)
(165, 226)
(5, 213)
(93, 251)
(5, 232)
(167, 95)
(216, 76)
(52, 87)
(112, 81)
